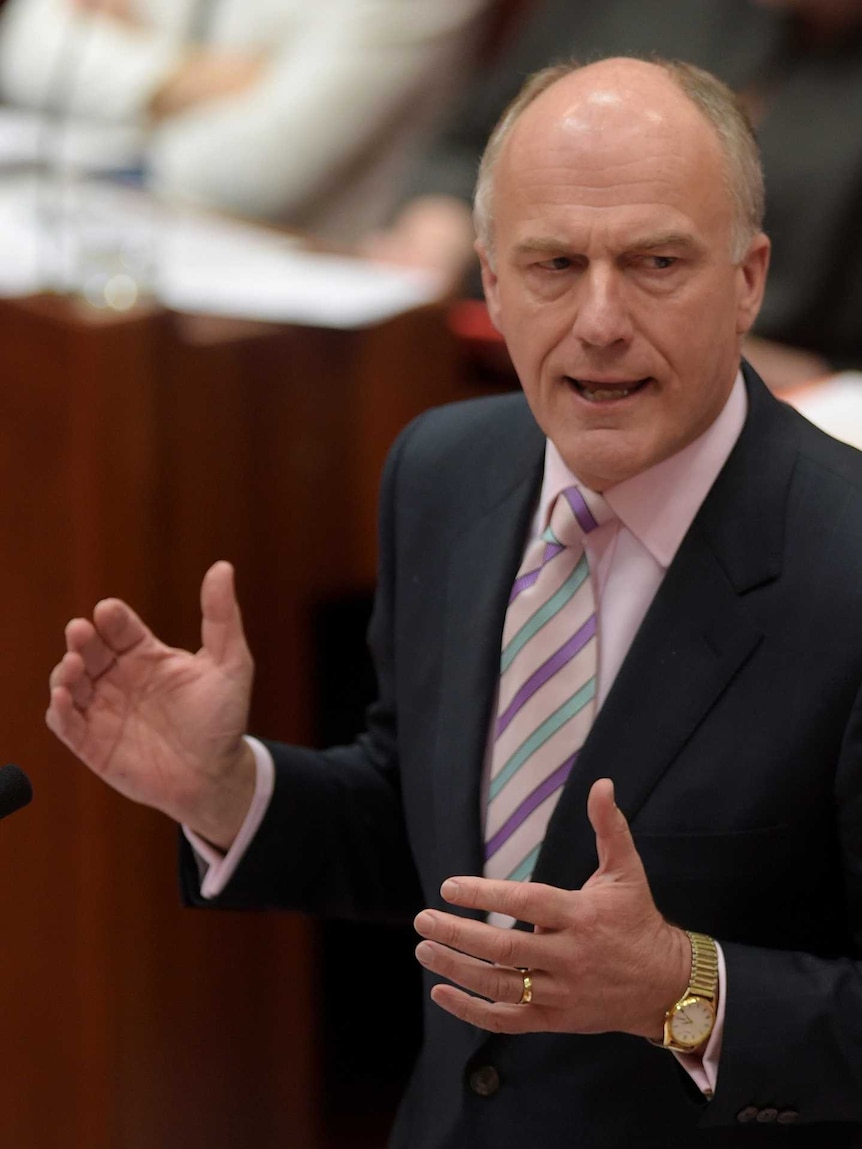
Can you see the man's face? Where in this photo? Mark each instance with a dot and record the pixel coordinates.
(612, 278)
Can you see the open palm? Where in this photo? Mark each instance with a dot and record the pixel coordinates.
(162, 726)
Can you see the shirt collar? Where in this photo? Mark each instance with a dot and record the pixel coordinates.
(659, 505)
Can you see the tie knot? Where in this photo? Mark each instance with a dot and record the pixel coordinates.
(574, 514)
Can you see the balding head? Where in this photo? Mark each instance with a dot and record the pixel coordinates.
(627, 94)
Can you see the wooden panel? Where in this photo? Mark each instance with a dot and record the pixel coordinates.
(127, 1021)
(135, 452)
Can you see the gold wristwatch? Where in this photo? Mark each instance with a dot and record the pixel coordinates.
(688, 1023)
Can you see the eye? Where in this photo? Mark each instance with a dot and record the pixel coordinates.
(660, 262)
(557, 263)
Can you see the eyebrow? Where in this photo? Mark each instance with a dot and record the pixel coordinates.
(549, 246)
(663, 239)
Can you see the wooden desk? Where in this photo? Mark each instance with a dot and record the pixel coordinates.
(134, 452)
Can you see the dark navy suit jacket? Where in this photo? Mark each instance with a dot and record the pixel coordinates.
(734, 736)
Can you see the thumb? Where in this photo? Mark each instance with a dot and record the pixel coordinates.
(222, 634)
(614, 843)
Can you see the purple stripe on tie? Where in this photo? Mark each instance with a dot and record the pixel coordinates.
(580, 510)
(525, 581)
(546, 672)
(530, 803)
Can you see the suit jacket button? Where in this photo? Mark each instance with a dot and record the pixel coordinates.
(749, 1113)
(787, 1117)
(767, 1116)
(484, 1080)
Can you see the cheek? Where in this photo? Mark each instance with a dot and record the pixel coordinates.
(531, 333)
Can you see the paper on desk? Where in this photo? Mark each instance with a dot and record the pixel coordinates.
(34, 138)
(835, 405)
(263, 279)
(21, 242)
(200, 264)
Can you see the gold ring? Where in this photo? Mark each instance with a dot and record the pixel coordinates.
(527, 992)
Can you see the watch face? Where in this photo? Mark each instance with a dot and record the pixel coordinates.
(692, 1022)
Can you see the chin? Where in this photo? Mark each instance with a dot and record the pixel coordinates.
(599, 470)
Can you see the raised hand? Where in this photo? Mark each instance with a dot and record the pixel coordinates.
(601, 958)
(162, 726)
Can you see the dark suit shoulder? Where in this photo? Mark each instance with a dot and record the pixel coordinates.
(821, 449)
(474, 425)
(475, 450)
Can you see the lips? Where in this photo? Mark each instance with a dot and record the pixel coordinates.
(606, 390)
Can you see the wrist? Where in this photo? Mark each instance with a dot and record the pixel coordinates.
(689, 1022)
(672, 972)
(218, 814)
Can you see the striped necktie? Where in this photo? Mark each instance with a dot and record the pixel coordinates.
(547, 686)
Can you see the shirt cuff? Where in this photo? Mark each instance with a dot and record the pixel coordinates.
(702, 1068)
(217, 868)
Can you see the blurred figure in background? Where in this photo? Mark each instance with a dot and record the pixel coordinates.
(301, 112)
(798, 64)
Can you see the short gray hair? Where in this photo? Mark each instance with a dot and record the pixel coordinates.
(719, 105)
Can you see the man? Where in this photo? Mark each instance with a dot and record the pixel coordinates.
(700, 544)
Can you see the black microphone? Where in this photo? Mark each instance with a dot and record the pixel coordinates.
(15, 790)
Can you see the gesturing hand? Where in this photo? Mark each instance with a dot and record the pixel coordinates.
(601, 958)
(162, 726)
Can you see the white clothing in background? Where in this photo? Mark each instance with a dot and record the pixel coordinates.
(320, 142)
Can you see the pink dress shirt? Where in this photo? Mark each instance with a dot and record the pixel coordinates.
(628, 559)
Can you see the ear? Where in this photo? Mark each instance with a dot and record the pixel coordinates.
(752, 282)
(490, 283)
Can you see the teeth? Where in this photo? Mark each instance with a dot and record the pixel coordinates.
(601, 395)
(597, 394)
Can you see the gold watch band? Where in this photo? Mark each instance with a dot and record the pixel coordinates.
(703, 980)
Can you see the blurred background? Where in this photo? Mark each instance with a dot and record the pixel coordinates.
(235, 260)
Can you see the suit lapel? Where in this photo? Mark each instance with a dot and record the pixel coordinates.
(694, 639)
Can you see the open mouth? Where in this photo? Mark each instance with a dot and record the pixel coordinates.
(605, 391)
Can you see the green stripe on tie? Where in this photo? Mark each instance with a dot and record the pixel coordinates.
(545, 613)
(523, 871)
(547, 730)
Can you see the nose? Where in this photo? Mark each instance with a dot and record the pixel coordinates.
(602, 317)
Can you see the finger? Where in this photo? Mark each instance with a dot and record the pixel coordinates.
(71, 674)
(506, 947)
(544, 906)
(64, 671)
(65, 720)
(222, 634)
(614, 843)
(118, 628)
(83, 640)
(492, 1016)
(497, 983)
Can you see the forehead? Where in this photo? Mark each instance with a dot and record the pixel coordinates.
(609, 153)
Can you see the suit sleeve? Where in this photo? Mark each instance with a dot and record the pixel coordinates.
(334, 840)
(793, 1022)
